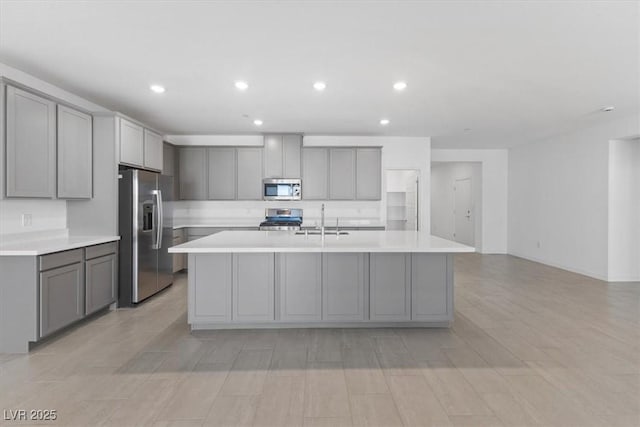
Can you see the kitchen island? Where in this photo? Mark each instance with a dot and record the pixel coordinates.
(270, 279)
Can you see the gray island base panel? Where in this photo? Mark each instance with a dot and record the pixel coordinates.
(319, 289)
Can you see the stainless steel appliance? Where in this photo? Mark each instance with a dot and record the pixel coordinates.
(281, 219)
(146, 233)
(281, 189)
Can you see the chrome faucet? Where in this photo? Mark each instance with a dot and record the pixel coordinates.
(322, 220)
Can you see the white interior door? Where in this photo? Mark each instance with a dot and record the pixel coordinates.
(463, 212)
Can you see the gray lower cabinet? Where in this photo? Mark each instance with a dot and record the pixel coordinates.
(100, 282)
(152, 150)
(210, 281)
(131, 143)
(432, 287)
(343, 287)
(368, 173)
(299, 283)
(192, 171)
(30, 145)
(249, 173)
(342, 174)
(315, 167)
(75, 154)
(253, 287)
(61, 297)
(390, 286)
(222, 173)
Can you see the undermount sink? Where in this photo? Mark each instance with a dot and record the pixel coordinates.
(318, 233)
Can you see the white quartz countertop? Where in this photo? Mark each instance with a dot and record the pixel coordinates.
(355, 241)
(34, 247)
(255, 223)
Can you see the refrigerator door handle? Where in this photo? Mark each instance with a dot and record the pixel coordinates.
(157, 219)
(161, 217)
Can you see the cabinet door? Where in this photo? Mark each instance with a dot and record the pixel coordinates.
(249, 173)
(177, 258)
(61, 297)
(168, 159)
(100, 282)
(152, 150)
(209, 288)
(390, 286)
(368, 173)
(315, 166)
(432, 287)
(342, 176)
(131, 143)
(273, 156)
(193, 173)
(343, 287)
(30, 146)
(291, 146)
(75, 160)
(222, 173)
(253, 287)
(300, 286)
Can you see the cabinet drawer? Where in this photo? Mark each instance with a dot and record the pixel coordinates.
(101, 250)
(58, 259)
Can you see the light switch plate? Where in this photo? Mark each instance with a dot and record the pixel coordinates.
(26, 220)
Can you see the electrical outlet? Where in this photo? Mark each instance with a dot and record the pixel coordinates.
(26, 220)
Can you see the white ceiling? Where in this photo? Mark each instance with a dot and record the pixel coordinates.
(509, 71)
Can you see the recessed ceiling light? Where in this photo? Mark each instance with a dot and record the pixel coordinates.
(157, 88)
(240, 85)
(384, 122)
(608, 108)
(400, 86)
(257, 122)
(319, 86)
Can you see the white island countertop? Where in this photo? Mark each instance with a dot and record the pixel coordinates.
(355, 241)
(34, 247)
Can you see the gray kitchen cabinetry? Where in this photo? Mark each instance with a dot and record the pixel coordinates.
(131, 143)
(253, 287)
(222, 173)
(432, 287)
(300, 286)
(390, 286)
(61, 290)
(169, 160)
(30, 145)
(282, 156)
(368, 173)
(342, 176)
(192, 172)
(75, 158)
(153, 150)
(249, 173)
(210, 281)
(315, 167)
(343, 287)
(100, 276)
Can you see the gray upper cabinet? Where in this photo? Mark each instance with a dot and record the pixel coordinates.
(152, 150)
(368, 173)
(222, 173)
(342, 177)
(249, 173)
(192, 171)
(131, 143)
(30, 145)
(315, 162)
(75, 161)
(282, 156)
(168, 160)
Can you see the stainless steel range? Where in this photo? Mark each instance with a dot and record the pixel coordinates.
(281, 219)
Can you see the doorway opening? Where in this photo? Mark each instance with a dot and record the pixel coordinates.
(456, 201)
(402, 190)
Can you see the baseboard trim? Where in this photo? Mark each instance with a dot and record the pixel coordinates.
(561, 267)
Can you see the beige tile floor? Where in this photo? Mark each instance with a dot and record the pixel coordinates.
(531, 345)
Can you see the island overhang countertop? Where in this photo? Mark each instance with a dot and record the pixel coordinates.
(355, 241)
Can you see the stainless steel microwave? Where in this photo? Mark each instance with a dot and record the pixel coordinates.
(281, 189)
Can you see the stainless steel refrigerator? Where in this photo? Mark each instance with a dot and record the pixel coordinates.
(146, 233)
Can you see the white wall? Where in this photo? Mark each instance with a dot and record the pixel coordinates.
(443, 178)
(494, 193)
(558, 197)
(45, 214)
(624, 210)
